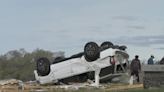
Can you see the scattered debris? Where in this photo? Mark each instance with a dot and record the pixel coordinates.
(25, 87)
(12, 82)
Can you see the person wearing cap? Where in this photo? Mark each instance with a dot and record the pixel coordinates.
(162, 61)
(135, 67)
(150, 60)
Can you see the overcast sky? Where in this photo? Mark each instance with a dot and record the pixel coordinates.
(67, 25)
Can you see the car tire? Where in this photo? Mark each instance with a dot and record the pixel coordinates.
(91, 51)
(43, 66)
(107, 44)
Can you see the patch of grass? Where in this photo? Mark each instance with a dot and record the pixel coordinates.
(124, 76)
(140, 90)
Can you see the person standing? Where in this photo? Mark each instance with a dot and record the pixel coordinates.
(162, 61)
(135, 67)
(150, 60)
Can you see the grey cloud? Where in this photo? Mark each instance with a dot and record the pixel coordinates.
(161, 48)
(87, 39)
(143, 45)
(157, 37)
(99, 27)
(136, 26)
(63, 36)
(68, 46)
(64, 31)
(129, 31)
(94, 27)
(45, 31)
(95, 30)
(135, 41)
(140, 40)
(108, 26)
(129, 18)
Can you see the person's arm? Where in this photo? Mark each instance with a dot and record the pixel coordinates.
(131, 65)
(139, 66)
(151, 61)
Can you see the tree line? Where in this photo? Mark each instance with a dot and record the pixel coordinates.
(20, 64)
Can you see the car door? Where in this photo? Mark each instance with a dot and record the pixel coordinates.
(61, 70)
(79, 66)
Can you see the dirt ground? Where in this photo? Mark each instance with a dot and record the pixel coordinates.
(121, 84)
(29, 88)
(126, 87)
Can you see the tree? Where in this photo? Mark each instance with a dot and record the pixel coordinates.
(20, 64)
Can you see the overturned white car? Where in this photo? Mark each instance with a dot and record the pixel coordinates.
(91, 64)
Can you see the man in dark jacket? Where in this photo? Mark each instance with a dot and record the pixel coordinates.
(162, 61)
(135, 67)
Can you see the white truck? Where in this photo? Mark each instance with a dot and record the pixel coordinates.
(95, 63)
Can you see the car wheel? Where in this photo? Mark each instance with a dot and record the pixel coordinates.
(43, 66)
(107, 45)
(91, 51)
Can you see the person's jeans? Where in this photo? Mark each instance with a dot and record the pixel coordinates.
(136, 74)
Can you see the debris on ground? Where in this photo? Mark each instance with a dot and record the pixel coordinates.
(9, 86)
